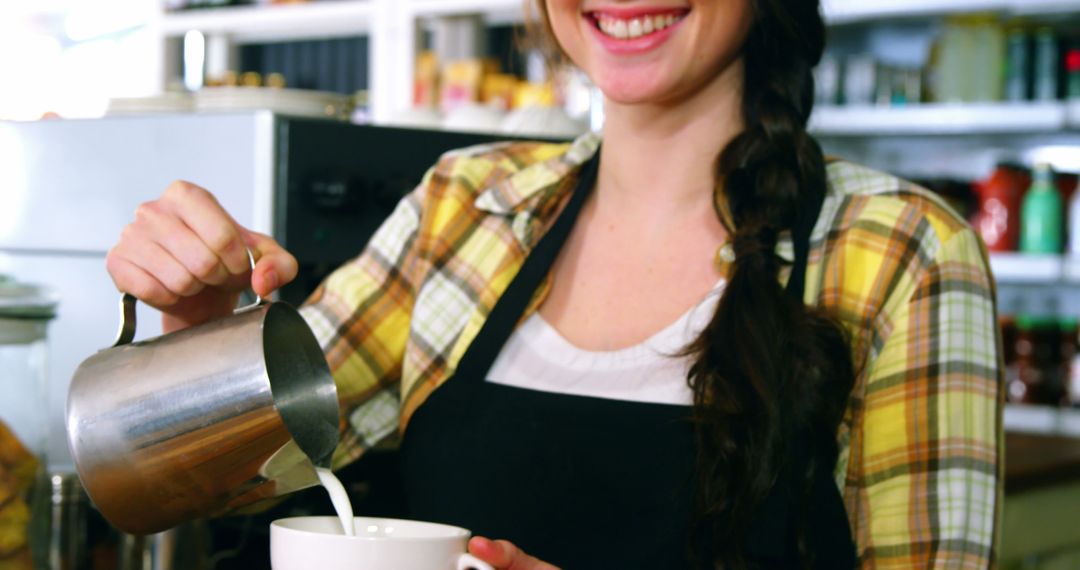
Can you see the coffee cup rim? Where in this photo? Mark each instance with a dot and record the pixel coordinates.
(453, 532)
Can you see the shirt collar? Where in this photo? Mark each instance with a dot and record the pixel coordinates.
(513, 192)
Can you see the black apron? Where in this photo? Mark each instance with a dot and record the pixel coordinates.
(577, 481)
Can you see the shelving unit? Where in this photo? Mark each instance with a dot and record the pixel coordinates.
(393, 30)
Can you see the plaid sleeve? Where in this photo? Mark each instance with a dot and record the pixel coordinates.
(360, 315)
(928, 481)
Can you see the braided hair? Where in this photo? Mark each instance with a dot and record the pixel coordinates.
(767, 369)
(770, 376)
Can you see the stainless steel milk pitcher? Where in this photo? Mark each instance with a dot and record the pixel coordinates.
(202, 420)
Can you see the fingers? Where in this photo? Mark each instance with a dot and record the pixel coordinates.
(131, 278)
(200, 211)
(182, 244)
(184, 254)
(504, 555)
(274, 266)
(143, 268)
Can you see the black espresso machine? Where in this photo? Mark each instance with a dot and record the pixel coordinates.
(335, 183)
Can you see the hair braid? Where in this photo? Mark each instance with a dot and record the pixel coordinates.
(767, 368)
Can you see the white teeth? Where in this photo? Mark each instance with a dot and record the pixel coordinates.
(636, 27)
(620, 30)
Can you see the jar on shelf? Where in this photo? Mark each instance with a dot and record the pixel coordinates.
(1072, 394)
(1070, 354)
(998, 217)
(1038, 373)
(25, 312)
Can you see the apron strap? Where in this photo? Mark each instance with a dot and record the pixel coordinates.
(829, 537)
(506, 313)
(805, 220)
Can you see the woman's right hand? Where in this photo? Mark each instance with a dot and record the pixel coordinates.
(185, 256)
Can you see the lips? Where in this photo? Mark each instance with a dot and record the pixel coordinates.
(623, 31)
(632, 24)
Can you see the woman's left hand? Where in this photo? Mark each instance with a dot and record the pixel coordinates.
(503, 555)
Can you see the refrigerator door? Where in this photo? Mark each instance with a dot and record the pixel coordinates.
(67, 188)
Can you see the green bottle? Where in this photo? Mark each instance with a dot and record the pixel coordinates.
(1040, 214)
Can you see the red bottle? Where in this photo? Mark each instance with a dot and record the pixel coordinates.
(998, 217)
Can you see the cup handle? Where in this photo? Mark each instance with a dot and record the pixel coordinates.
(467, 561)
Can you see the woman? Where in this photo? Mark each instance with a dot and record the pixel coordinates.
(602, 352)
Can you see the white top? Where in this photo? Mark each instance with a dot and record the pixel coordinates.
(538, 357)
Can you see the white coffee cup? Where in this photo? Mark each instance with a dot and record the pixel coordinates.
(318, 543)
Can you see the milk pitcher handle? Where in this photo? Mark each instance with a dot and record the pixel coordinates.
(126, 334)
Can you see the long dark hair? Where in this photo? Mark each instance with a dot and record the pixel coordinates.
(768, 371)
(770, 376)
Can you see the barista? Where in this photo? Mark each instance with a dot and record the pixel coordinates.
(698, 343)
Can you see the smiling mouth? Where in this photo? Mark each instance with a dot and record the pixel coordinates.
(630, 28)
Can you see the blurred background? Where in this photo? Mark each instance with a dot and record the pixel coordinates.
(309, 120)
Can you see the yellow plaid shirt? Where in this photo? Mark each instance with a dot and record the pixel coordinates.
(921, 442)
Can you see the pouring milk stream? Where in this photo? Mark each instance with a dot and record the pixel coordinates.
(339, 498)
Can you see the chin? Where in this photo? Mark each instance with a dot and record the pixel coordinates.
(635, 90)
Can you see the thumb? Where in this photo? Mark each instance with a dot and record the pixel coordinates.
(274, 266)
(504, 555)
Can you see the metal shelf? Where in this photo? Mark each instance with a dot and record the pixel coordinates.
(1044, 420)
(493, 10)
(275, 23)
(1028, 268)
(945, 119)
(1037, 285)
(845, 11)
(851, 11)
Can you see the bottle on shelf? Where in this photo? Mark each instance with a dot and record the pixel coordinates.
(1041, 214)
(1070, 362)
(1039, 362)
(987, 77)
(952, 62)
(998, 216)
(1045, 84)
(1073, 389)
(1074, 225)
(860, 79)
(1017, 65)
(1072, 72)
